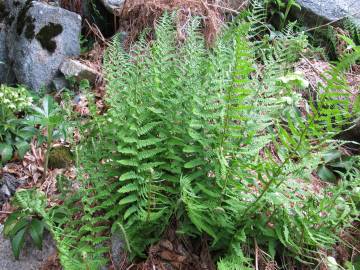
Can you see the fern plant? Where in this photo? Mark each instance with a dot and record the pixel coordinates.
(207, 138)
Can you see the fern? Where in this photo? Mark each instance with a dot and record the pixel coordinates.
(353, 28)
(203, 137)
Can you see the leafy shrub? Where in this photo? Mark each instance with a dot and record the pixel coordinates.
(210, 139)
(15, 133)
(49, 117)
(27, 219)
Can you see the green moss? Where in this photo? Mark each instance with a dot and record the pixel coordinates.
(60, 157)
(46, 35)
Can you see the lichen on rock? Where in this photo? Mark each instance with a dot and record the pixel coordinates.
(46, 35)
(22, 18)
(3, 12)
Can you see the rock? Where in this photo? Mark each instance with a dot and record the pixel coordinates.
(8, 186)
(39, 38)
(59, 83)
(3, 11)
(3, 56)
(113, 6)
(78, 70)
(30, 258)
(6, 75)
(117, 249)
(315, 12)
(352, 135)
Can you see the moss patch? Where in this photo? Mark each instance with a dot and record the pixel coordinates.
(60, 157)
(46, 35)
(25, 21)
(22, 18)
(3, 12)
(30, 28)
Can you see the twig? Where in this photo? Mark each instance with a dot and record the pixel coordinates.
(131, 266)
(226, 8)
(318, 72)
(5, 212)
(331, 22)
(96, 31)
(256, 255)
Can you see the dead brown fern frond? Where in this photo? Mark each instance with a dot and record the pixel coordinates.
(136, 15)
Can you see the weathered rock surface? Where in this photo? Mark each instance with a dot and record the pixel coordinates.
(8, 186)
(39, 38)
(113, 6)
(78, 70)
(117, 249)
(6, 74)
(3, 56)
(30, 258)
(352, 135)
(315, 12)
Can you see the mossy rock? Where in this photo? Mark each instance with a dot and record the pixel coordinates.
(3, 12)
(60, 158)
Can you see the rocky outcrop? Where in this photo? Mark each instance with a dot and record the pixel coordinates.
(113, 6)
(39, 37)
(314, 12)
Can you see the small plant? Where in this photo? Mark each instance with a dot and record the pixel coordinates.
(50, 118)
(27, 219)
(282, 9)
(15, 132)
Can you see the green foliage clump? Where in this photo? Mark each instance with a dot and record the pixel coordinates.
(15, 133)
(14, 99)
(211, 140)
(27, 219)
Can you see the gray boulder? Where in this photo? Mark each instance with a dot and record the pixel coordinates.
(113, 6)
(117, 250)
(315, 12)
(39, 38)
(78, 70)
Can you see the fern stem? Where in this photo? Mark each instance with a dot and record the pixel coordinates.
(279, 170)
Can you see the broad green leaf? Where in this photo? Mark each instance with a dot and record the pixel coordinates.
(6, 152)
(17, 242)
(11, 222)
(331, 156)
(326, 174)
(36, 231)
(19, 225)
(22, 147)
